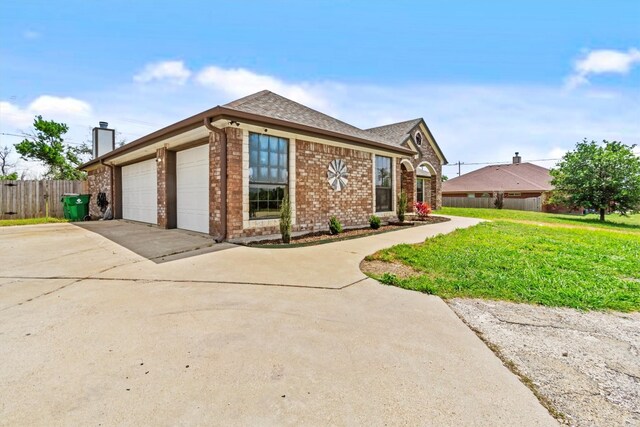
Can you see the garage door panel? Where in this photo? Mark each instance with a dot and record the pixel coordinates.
(140, 192)
(192, 189)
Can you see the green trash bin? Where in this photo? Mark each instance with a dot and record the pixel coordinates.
(76, 206)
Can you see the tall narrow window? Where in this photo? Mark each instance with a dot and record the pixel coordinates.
(268, 174)
(384, 194)
(420, 190)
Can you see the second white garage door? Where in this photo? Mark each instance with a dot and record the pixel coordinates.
(192, 189)
(140, 192)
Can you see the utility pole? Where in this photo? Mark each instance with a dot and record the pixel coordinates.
(459, 167)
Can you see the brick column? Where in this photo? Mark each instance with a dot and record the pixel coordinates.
(215, 173)
(166, 173)
(234, 182)
(408, 185)
(436, 195)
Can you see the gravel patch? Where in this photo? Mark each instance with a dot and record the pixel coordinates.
(585, 364)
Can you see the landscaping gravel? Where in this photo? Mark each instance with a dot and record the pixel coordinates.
(586, 365)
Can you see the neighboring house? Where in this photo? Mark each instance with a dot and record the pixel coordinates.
(225, 171)
(515, 181)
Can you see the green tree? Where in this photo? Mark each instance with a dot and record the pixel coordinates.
(46, 145)
(598, 176)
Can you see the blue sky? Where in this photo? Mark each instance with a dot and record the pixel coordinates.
(489, 78)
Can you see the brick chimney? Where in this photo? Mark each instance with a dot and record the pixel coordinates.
(517, 159)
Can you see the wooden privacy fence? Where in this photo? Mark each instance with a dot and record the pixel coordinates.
(528, 204)
(27, 199)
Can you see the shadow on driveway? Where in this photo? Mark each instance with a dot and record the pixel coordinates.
(155, 244)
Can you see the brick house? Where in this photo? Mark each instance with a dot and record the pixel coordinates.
(515, 180)
(524, 186)
(225, 171)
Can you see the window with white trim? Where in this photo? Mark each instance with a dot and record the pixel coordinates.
(418, 138)
(384, 183)
(268, 174)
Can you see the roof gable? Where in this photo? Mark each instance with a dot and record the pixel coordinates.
(395, 132)
(401, 132)
(511, 177)
(269, 104)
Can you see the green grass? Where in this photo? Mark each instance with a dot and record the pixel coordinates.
(549, 265)
(29, 221)
(613, 221)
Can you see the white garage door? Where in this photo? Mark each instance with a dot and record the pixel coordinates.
(140, 192)
(192, 189)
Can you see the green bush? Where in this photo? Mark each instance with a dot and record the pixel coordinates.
(374, 222)
(334, 225)
(285, 219)
(401, 208)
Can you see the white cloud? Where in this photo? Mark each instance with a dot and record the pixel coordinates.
(51, 107)
(239, 82)
(600, 62)
(30, 35)
(173, 72)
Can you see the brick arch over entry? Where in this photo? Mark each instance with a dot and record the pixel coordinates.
(434, 181)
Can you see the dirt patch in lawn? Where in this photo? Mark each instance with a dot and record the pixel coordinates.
(378, 268)
(585, 365)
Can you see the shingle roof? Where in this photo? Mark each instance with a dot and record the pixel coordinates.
(269, 104)
(512, 177)
(395, 132)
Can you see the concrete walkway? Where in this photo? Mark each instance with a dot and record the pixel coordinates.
(94, 333)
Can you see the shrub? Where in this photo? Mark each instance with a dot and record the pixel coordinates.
(401, 208)
(499, 202)
(285, 219)
(374, 222)
(423, 210)
(334, 225)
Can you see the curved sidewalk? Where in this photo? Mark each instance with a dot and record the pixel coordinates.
(332, 265)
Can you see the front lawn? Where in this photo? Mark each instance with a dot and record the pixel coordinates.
(29, 221)
(613, 221)
(549, 265)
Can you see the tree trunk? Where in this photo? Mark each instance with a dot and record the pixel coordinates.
(602, 214)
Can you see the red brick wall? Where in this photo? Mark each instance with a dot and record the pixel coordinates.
(317, 201)
(98, 180)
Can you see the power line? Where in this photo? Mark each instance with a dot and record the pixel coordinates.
(496, 163)
(24, 135)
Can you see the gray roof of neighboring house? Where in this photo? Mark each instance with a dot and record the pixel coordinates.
(269, 104)
(395, 132)
(511, 177)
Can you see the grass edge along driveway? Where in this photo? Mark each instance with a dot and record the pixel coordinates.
(549, 264)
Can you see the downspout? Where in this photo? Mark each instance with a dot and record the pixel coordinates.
(223, 176)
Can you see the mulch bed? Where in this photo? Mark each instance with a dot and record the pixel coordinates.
(325, 236)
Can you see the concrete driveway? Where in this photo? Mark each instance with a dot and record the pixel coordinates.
(94, 333)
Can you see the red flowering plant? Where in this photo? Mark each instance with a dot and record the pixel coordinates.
(422, 210)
